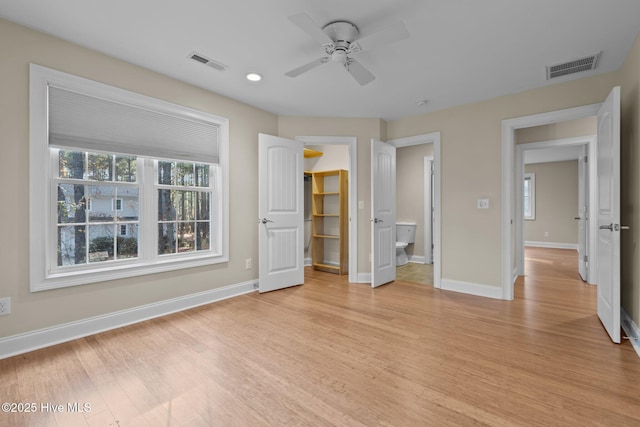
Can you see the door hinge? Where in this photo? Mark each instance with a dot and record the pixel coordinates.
(586, 159)
(585, 258)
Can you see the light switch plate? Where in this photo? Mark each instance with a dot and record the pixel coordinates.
(483, 203)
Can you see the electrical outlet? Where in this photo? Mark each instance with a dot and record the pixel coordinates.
(247, 263)
(5, 306)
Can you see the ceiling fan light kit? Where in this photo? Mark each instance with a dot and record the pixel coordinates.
(340, 41)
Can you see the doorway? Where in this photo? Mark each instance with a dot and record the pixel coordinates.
(567, 187)
(346, 145)
(422, 172)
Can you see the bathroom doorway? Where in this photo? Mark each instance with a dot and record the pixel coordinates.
(415, 203)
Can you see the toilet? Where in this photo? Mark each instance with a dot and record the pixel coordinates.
(405, 235)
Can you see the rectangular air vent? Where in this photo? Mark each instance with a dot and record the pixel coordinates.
(575, 66)
(208, 61)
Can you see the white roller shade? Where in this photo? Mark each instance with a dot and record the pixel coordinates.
(95, 124)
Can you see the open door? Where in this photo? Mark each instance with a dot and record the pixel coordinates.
(383, 213)
(583, 213)
(280, 212)
(609, 214)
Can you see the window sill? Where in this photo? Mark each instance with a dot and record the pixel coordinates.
(114, 272)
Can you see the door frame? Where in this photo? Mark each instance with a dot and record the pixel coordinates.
(428, 209)
(592, 229)
(435, 139)
(352, 144)
(509, 127)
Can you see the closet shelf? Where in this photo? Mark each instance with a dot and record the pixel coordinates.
(325, 236)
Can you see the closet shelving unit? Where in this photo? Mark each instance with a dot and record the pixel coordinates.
(330, 221)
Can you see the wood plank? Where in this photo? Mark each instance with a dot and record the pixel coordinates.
(334, 353)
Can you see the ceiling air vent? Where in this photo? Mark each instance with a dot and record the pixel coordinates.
(208, 61)
(575, 66)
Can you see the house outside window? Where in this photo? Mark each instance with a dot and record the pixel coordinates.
(132, 185)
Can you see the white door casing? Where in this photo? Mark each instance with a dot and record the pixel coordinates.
(583, 213)
(609, 214)
(280, 212)
(383, 213)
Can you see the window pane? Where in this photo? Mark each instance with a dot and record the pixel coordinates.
(186, 236)
(184, 174)
(164, 172)
(166, 239)
(102, 203)
(128, 241)
(202, 206)
(183, 204)
(71, 203)
(129, 203)
(71, 164)
(203, 237)
(100, 167)
(202, 175)
(101, 242)
(71, 245)
(125, 169)
(166, 211)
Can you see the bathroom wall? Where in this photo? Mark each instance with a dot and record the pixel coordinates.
(556, 195)
(410, 191)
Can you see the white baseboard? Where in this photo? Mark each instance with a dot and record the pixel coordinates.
(23, 343)
(515, 275)
(552, 245)
(364, 278)
(631, 329)
(418, 259)
(307, 262)
(471, 288)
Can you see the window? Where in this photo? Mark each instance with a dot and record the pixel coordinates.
(132, 185)
(529, 195)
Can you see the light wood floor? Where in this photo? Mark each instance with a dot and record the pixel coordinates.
(333, 353)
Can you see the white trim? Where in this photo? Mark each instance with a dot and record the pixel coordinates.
(417, 259)
(552, 245)
(23, 343)
(352, 143)
(515, 275)
(307, 262)
(508, 173)
(477, 289)
(435, 139)
(364, 278)
(532, 194)
(428, 209)
(631, 329)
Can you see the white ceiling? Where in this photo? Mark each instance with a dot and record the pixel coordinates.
(459, 51)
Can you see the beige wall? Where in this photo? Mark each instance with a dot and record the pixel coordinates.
(364, 130)
(471, 138)
(556, 203)
(630, 164)
(333, 157)
(410, 190)
(31, 311)
(573, 128)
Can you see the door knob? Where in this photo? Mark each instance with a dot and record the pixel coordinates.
(607, 227)
(375, 220)
(264, 220)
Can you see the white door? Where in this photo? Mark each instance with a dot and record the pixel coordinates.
(609, 214)
(383, 213)
(280, 212)
(583, 212)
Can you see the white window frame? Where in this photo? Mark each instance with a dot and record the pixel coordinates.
(531, 177)
(42, 247)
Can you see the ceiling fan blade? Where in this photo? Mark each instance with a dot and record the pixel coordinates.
(357, 70)
(306, 67)
(391, 34)
(309, 26)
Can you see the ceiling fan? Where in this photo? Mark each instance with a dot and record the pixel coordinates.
(340, 41)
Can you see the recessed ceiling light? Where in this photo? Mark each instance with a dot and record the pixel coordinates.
(254, 77)
(422, 102)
